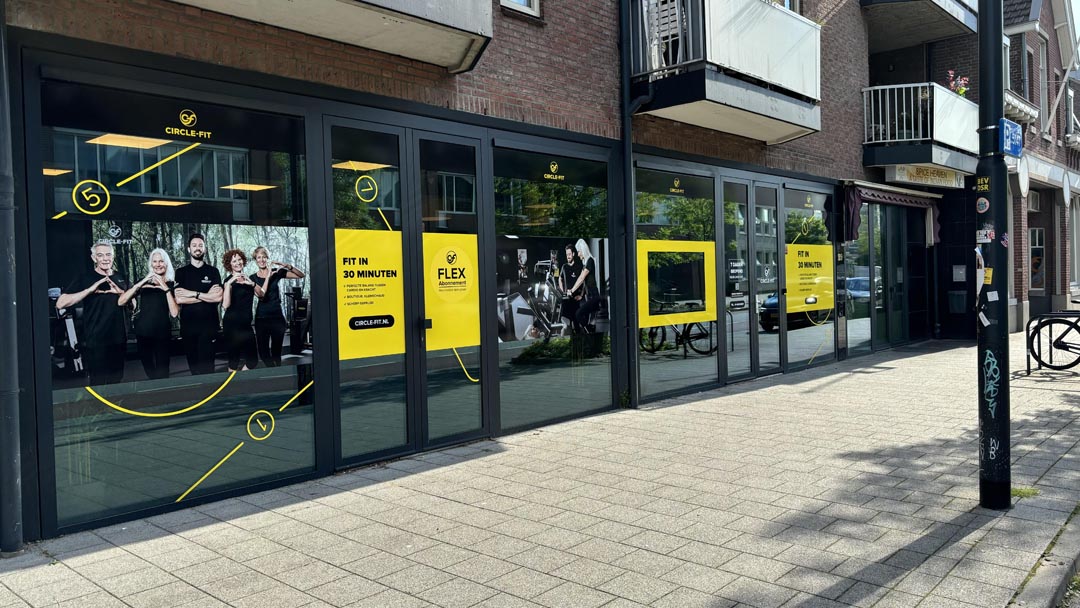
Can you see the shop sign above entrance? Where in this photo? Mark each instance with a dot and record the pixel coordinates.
(924, 176)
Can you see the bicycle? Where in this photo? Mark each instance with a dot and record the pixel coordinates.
(693, 336)
(1054, 341)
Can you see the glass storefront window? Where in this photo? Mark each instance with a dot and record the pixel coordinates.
(676, 231)
(180, 336)
(809, 277)
(552, 268)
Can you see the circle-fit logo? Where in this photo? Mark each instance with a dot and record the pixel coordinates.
(554, 166)
(677, 182)
(115, 231)
(188, 118)
(451, 257)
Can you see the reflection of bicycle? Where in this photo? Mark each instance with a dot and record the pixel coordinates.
(1054, 341)
(697, 337)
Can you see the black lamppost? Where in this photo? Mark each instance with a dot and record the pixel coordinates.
(991, 206)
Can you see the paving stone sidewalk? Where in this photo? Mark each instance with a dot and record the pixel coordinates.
(854, 484)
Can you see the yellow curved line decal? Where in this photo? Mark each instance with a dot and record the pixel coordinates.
(462, 364)
(162, 414)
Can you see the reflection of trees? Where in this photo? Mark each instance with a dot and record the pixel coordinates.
(805, 229)
(685, 219)
(349, 210)
(531, 208)
(286, 244)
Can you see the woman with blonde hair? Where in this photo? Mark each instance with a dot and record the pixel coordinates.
(154, 311)
(587, 277)
(269, 320)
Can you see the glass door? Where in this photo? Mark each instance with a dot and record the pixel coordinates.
(370, 277)
(738, 313)
(446, 174)
(895, 273)
(766, 279)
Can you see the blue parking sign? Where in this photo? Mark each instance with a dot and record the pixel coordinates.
(1010, 138)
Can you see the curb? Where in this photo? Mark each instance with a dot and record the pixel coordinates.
(1047, 588)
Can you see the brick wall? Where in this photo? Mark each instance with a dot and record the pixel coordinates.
(563, 73)
(836, 151)
(1018, 244)
(960, 54)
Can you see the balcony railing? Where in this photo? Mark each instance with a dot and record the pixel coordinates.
(755, 38)
(922, 112)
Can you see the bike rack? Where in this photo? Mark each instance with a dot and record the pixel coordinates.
(1035, 321)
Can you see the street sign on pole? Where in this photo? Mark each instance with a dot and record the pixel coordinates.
(1010, 138)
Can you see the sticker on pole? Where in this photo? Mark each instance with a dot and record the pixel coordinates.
(982, 205)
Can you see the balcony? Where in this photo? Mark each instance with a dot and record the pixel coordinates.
(747, 67)
(1020, 110)
(449, 33)
(898, 24)
(924, 124)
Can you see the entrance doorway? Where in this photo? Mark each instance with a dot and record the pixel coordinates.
(752, 278)
(887, 281)
(406, 211)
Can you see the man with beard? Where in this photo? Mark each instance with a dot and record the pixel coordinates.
(198, 292)
(103, 335)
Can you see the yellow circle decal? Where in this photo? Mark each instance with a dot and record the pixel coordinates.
(91, 197)
(260, 425)
(367, 189)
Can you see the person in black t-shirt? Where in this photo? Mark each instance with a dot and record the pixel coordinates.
(236, 322)
(269, 320)
(104, 336)
(154, 313)
(568, 276)
(198, 292)
(587, 278)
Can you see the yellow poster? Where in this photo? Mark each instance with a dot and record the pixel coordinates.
(370, 293)
(687, 293)
(451, 290)
(809, 277)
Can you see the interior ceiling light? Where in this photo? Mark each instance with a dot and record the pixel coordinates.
(167, 203)
(48, 171)
(359, 165)
(128, 141)
(541, 206)
(248, 187)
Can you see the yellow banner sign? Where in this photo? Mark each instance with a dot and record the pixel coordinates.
(809, 277)
(687, 294)
(370, 293)
(451, 290)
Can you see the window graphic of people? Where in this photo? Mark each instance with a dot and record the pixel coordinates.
(198, 292)
(103, 338)
(568, 277)
(237, 301)
(587, 278)
(155, 308)
(269, 320)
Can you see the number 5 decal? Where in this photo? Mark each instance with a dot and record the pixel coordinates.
(86, 192)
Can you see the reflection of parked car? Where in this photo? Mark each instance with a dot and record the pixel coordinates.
(858, 289)
(769, 315)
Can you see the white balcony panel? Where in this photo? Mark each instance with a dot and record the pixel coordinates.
(447, 33)
(956, 121)
(765, 41)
